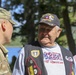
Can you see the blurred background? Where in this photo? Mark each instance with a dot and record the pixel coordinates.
(27, 14)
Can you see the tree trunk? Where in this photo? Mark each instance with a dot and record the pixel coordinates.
(70, 39)
(66, 20)
(29, 16)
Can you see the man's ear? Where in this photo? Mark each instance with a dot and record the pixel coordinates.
(58, 32)
(3, 26)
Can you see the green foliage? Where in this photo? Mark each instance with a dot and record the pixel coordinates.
(72, 17)
(16, 42)
(63, 41)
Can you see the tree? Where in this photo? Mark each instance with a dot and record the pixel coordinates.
(67, 24)
(32, 18)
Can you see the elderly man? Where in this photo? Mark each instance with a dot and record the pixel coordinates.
(6, 30)
(45, 56)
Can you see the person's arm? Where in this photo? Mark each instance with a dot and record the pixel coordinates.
(19, 68)
(75, 63)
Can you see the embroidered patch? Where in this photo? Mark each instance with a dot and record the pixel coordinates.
(35, 71)
(30, 70)
(48, 17)
(68, 58)
(35, 53)
(72, 73)
(32, 67)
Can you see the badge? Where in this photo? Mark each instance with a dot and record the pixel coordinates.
(68, 58)
(48, 17)
(35, 53)
(32, 67)
(72, 73)
(30, 70)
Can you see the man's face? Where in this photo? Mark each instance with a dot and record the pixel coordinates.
(47, 34)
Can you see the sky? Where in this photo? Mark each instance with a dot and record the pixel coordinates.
(13, 51)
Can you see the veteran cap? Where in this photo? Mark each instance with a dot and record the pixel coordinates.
(4, 14)
(50, 19)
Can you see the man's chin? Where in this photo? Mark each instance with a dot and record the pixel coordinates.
(44, 42)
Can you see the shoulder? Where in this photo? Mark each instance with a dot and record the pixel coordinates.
(66, 51)
(1, 54)
(33, 44)
(22, 50)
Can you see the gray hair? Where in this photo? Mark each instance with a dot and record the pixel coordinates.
(57, 27)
